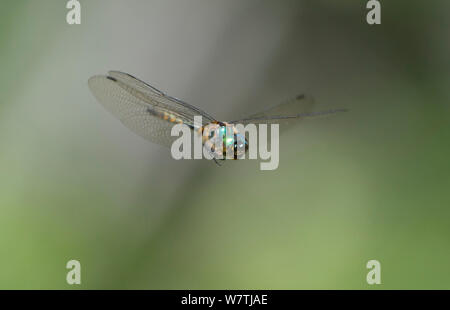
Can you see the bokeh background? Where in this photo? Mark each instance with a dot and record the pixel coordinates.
(369, 184)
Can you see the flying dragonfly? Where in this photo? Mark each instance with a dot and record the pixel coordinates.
(151, 113)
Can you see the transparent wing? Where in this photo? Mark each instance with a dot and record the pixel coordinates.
(137, 105)
(286, 114)
(172, 103)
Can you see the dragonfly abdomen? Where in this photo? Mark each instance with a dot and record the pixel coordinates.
(167, 116)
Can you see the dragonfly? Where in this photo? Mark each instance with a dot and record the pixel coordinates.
(151, 113)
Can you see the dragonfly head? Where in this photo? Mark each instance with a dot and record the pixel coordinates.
(234, 143)
(238, 145)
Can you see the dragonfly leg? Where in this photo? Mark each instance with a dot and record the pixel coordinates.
(215, 160)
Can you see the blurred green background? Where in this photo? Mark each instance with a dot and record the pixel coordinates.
(369, 184)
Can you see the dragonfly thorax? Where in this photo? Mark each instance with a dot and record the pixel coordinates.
(224, 140)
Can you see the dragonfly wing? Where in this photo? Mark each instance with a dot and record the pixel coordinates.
(135, 104)
(172, 103)
(286, 114)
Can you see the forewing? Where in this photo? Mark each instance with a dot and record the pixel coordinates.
(158, 98)
(135, 104)
(286, 114)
